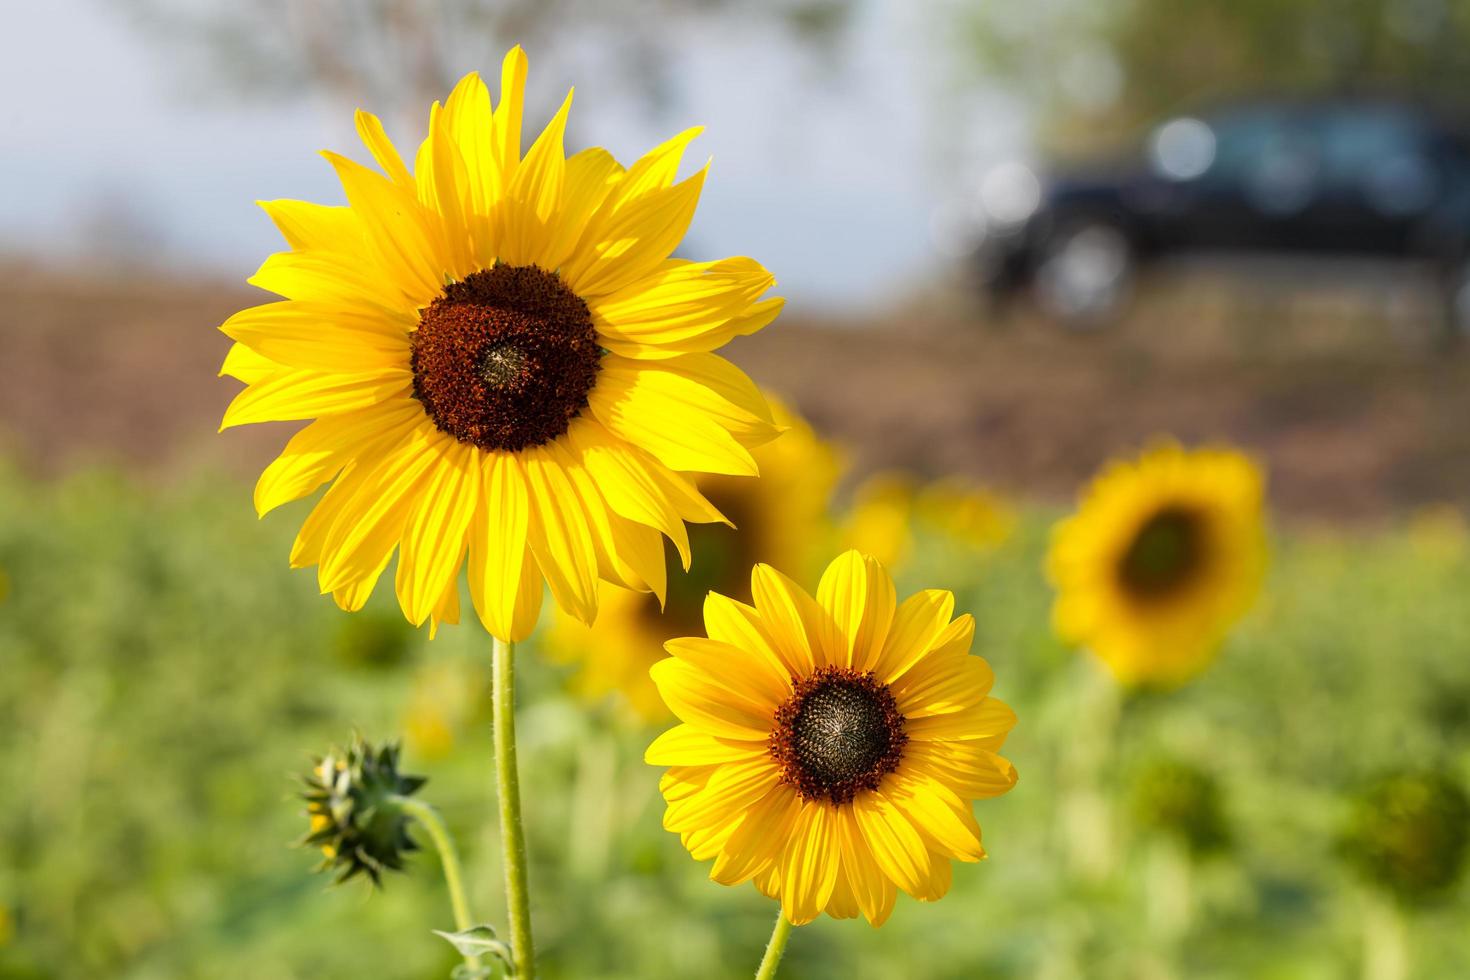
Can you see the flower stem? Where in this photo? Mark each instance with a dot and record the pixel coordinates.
(775, 948)
(433, 825)
(512, 834)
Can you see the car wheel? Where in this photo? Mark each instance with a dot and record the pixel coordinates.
(1084, 273)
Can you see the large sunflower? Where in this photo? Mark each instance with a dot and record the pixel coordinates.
(830, 747)
(505, 367)
(1163, 555)
(780, 519)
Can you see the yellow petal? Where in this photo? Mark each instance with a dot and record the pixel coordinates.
(749, 674)
(939, 685)
(758, 842)
(244, 364)
(433, 542)
(874, 891)
(497, 545)
(444, 187)
(672, 417)
(308, 394)
(974, 772)
(679, 303)
(559, 534)
(535, 195)
(324, 336)
(316, 453)
(632, 239)
(738, 625)
(624, 478)
(685, 745)
(590, 176)
(791, 617)
(809, 866)
(317, 227)
(352, 597)
(858, 596)
(708, 705)
(896, 846)
(331, 277)
(370, 131)
(920, 618)
(731, 788)
(941, 818)
(506, 122)
(409, 253)
(988, 719)
(371, 523)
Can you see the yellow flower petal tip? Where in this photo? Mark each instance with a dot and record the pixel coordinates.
(504, 371)
(1165, 552)
(830, 746)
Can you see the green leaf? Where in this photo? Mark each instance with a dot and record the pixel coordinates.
(475, 941)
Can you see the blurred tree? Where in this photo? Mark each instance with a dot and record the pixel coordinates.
(397, 56)
(1123, 62)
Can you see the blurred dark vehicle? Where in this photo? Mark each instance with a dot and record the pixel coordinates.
(1349, 180)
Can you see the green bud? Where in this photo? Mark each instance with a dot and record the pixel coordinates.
(354, 801)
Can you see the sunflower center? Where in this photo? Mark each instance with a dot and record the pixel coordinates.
(1165, 554)
(840, 732)
(505, 359)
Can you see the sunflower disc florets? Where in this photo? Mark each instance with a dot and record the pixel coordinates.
(354, 801)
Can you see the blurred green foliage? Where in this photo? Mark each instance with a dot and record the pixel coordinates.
(1127, 61)
(162, 673)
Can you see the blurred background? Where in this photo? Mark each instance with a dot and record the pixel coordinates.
(1016, 239)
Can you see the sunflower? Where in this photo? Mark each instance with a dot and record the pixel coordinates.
(830, 747)
(780, 519)
(889, 506)
(505, 369)
(1163, 555)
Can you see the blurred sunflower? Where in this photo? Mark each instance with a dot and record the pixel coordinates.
(505, 367)
(889, 506)
(780, 519)
(830, 747)
(1163, 554)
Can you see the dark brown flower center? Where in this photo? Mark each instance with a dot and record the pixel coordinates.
(839, 733)
(505, 359)
(1165, 555)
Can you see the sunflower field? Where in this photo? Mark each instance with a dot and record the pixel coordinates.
(599, 614)
(163, 679)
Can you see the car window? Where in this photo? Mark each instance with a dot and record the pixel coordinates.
(1378, 156)
(1270, 157)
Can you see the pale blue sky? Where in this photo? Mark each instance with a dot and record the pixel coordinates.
(831, 181)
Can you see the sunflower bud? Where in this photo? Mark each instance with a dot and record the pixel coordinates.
(354, 801)
(1408, 834)
(1183, 801)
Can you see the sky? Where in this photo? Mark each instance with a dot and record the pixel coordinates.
(836, 181)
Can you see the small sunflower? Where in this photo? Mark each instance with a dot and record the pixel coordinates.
(506, 369)
(1163, 555)
(780, 519)
(888, 507)
(830, 747)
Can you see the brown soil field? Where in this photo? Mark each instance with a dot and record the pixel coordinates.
(1347, 402)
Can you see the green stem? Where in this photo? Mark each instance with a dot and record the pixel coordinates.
(512, 834)
(433, 824)
(775, 948)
